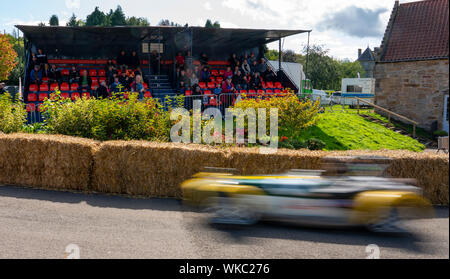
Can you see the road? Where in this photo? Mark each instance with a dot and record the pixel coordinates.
(40, 224)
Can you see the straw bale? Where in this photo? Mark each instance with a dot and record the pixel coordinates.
(46, 161)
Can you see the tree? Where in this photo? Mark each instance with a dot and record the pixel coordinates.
(208, 24)
(289, 56)
(7, 58)
(216, 24)
(96, 18)
(134, 21)
(19, 69)
(73, 22)
(118, 17)
(166, 22)
(41, 24)
(54, 21)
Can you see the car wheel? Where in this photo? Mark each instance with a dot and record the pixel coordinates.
(224, 211)
(390, 223)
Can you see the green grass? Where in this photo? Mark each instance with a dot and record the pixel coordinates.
(347, 131)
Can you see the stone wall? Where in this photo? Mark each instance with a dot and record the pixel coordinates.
(414, 89)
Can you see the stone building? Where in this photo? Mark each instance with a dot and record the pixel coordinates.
(412, 64)
(367, 61)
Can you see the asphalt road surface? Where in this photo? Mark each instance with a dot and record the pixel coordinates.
(41, 224)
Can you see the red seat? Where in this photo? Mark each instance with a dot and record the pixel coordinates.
(222, 72)
(101, 73)
(53, 87)
(278, 91)
(213, 101)
(251, 91)
(86, 95)
(278, 85)
(32, 97)
(33, 88)
(65, 72)
(42, 97)
(74, 87)
(40, 107)
(31, 107)
(269, 84)
(65, 95)
(92, 73)
(214, 73)
(269, 91)
(147, 94)
(219, 79)
(43, 87)
(101, 79)
(243, 91)
(65, 86)
(213, 79)
(94, 86)
(125, 95)
(75, 96)
(202, 85)
(207, 92)
(45, 79)
(145, 85)
(82, 72)
(261, 91)
(94, 79)
(211, 85)
(188, 93)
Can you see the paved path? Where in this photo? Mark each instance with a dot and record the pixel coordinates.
(40, 224)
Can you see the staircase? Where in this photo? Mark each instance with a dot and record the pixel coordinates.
(160, 86)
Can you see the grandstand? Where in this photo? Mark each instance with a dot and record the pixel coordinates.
(90, 48)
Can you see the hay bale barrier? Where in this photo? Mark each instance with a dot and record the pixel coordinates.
(151, 169)
(46, 161)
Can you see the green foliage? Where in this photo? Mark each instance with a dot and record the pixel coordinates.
(12, 115)
(54, 21)
(107, 119)
(118, 17)
(96, 18)
(315, 144)
(210, 24)
(166, 22)
(73, 22)
(440, 133)
(8, 56)
(140, 21)
(19, 69)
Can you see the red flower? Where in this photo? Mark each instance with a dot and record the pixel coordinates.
(283, 138)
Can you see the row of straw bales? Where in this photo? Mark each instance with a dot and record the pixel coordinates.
(150, 169)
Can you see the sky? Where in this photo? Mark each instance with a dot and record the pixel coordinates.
(340, 26)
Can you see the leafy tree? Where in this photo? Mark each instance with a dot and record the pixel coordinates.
(216, 24)
(166, 22)
(54, 21)
(210, 24)
(96, 18)
(73, 22)
(118, 17)
(41, 24)
(140, 21)
(19, 69)
(7, 58)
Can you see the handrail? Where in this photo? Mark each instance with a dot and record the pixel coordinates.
(389, 114)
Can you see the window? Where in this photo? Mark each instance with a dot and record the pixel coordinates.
(354, 89)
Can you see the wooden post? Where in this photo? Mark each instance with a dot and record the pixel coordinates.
(357, 104)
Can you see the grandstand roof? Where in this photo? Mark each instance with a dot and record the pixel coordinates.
(209, 40)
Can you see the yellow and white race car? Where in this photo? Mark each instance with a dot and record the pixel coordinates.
(307, 197)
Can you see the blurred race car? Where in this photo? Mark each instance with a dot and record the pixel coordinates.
(307, 197)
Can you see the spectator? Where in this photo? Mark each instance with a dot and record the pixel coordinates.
(36, 75)
(227, 98)
(180, 60)
(244, 58)
(102, 91)
(134, 61)
(34, 62)
(85, 82)
(116, 86)
(246, 68)
(255, 82)
(46, 71)
(218, 89)
(197, 71)
(236, 70)
(2, 88)
(239, 82)
(270, 76)
(262, 67)
(41, 57)
(125, 80)
(154, 61)
(110, 63)
(252, 58)
(204, 59)
(254, 67)
(194, 80)
(138, 86)
(228, 73)
(233, 61)
(139, 72)
(227, 86)
(74, 77)
(206, 75)
(110, 74)
(122, 60)
(54, 74)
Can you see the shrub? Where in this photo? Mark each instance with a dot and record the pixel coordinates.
(293, 115)
(12, 115)
(440, 134)
(107, 119)
(315, 144)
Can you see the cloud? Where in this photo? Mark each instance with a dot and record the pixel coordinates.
(73, 4)
(354, 21)
(207, 6)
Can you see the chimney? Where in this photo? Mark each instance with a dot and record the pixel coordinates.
(359, 52)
